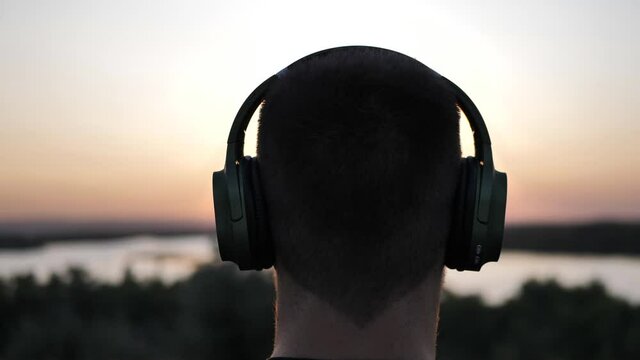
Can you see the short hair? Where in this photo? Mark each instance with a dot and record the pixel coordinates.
(359, 155)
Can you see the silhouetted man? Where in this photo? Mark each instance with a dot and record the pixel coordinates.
(359, 156)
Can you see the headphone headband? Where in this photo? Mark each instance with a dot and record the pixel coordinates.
(235, 142)
(481, 139)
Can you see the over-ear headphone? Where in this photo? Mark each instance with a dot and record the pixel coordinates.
(243, 230)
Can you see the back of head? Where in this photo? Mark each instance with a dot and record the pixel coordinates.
(359, 155)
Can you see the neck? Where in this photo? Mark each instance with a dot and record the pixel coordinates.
(307, 327)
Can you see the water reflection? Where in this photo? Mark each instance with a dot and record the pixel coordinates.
(170, 258)
(498, 281)
(173, 258)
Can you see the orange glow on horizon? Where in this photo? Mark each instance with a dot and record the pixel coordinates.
(126, 116)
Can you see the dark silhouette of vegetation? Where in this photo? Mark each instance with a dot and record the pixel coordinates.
(591, 238)
(31, 234)
(545, 321)
(216, 314)
(220, 313)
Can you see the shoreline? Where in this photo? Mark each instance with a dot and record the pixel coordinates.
(598, 238)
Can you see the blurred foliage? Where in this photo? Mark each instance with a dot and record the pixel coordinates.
(544, 321)
(220, 313)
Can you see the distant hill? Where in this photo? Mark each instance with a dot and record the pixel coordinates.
(30, 234)
(593, 238)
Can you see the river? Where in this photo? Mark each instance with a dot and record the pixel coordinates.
(174, 258)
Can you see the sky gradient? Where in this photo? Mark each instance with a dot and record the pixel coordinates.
(121, 109)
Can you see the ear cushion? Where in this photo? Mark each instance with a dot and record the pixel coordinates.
(262, 253)
(457, 255)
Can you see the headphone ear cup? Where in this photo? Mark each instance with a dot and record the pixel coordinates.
(261, 244)
(244, 239)
(463, 215)
(231, 218)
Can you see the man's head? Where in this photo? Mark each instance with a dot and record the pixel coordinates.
(359, 155)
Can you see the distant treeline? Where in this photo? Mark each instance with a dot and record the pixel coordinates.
(26, 234)
(219, 313)
(593, 238)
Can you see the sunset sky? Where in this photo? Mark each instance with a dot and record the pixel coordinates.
(121, 109)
